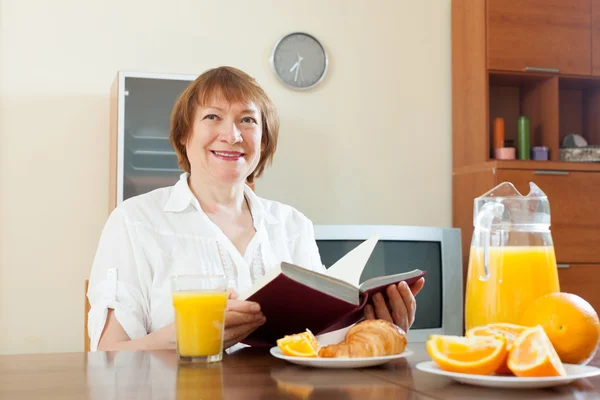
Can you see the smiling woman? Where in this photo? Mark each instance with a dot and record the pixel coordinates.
(224, 129)
(225, 113)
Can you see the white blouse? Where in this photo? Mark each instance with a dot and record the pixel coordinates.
(150, 237)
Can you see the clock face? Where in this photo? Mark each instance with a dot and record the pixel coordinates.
(299, 60)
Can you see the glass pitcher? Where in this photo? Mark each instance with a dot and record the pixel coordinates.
(512, 260)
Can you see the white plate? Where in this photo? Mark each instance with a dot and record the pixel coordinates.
(574, 372)
(319, 362)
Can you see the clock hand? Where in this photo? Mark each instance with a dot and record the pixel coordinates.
(299, 69)
(295, 66)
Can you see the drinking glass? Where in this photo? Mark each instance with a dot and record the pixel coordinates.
(199, 302)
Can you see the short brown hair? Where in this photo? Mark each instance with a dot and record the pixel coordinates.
(235, 86)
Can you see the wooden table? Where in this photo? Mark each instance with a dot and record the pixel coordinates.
(247, 374)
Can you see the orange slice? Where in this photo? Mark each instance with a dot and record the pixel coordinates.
(510, 331)
(479, 355)
(533, 355)
(301, 348)
(299, 345)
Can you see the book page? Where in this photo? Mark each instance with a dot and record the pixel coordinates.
(350, 267)
(389, 279)
(324, 283)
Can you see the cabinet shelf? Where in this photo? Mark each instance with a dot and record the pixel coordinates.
(533, 95)
(530, 165)
(579, 105)
(556, 105)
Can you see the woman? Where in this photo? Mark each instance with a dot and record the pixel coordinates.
(224, 129)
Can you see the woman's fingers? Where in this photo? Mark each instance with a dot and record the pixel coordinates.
(232, 294)
(241, 312)
(409, 302)
(398, 307)
(243, 306)
(381, 308)
(234, 318)
(237, 333)
(369, 312)
(417, 286)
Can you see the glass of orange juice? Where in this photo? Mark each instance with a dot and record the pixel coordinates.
(199, 302)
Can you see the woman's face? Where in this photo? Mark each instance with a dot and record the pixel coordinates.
(225, 141)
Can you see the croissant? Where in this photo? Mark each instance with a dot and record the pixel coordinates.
(369, 338)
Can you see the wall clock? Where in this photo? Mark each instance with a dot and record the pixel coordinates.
(299, 61)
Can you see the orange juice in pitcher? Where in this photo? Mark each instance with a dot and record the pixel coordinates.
(512, 260)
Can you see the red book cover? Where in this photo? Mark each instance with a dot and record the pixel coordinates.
(292, 307)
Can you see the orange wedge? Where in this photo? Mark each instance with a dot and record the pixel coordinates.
(299, 345)
(533, 355)
(510, 331)
(479, 355)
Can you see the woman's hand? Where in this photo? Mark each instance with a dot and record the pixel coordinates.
(401, 306)
(241, 319)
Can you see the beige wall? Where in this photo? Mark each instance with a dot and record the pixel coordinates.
(372, 144)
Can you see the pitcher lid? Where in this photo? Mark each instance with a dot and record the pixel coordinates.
(532, 209)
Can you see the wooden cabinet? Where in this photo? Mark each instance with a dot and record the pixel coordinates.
(575, 215)
(596, 37)
(581, 279)
(532, 34)
(493, 44)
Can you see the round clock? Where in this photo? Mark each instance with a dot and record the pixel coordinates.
(299, 60)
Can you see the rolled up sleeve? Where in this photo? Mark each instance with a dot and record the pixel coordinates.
(116, 282)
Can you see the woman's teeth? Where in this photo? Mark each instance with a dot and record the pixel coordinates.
(228, 155)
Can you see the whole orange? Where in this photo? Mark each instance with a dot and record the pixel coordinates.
(570, 322)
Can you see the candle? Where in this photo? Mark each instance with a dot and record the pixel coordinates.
(498, 133)
(523, 139)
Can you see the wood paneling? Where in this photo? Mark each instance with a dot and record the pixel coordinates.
(575, 215)
(570, 112)
(582, 280)
(469, 104)
(505, 102)
(596, 37)
(539, 33)
(545, 165)
(591, 116)
(539, 101)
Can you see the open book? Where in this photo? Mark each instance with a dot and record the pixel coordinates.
(294, 299)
